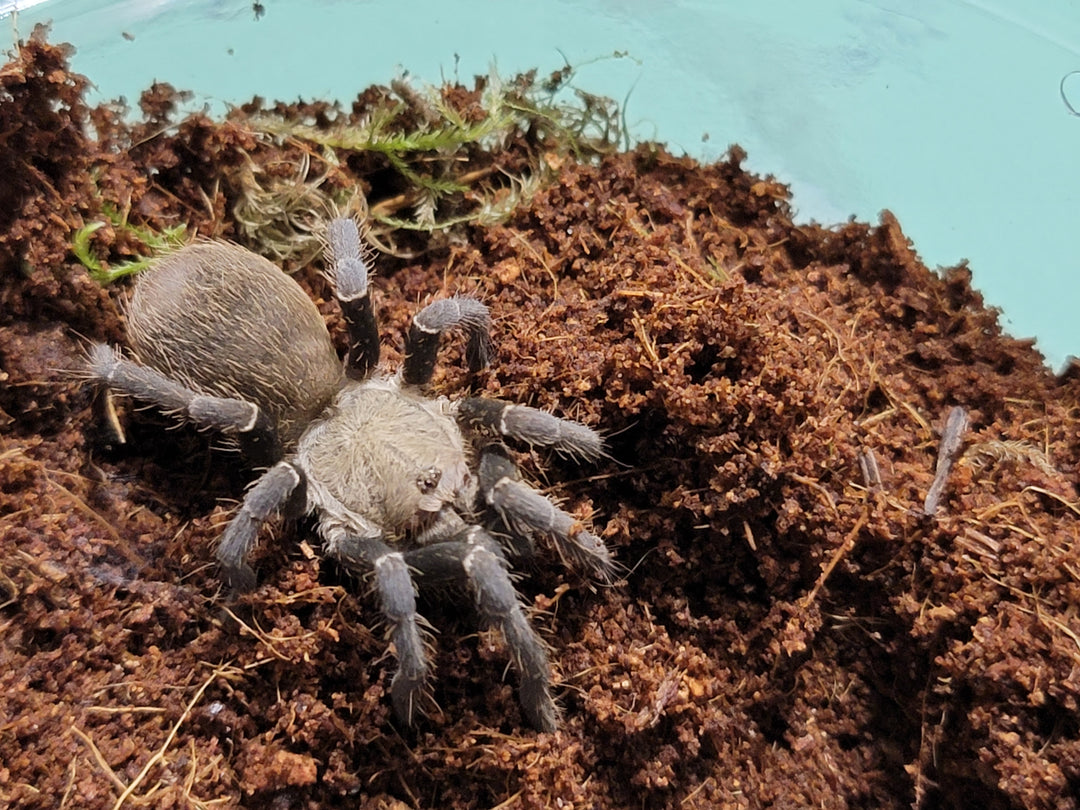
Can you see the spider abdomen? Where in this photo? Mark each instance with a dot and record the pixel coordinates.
(224, 321)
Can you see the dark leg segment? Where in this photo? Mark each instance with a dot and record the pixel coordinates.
(422, 345)
(349, 272)
(232, 416)
(524, 511)
(477, 559)
(397, 600)
(531, 426)
(270, 493)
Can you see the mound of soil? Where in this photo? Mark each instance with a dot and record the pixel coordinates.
(796, 625)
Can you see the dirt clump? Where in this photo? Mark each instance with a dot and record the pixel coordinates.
(792, 629)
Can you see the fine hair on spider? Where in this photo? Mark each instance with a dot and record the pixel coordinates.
(411, 491)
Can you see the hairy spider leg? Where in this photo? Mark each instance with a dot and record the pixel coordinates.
(232, 416)
(422, 344)
(525, 511)
(281, 484)
(530, 426)
(476, 559)
(396, 593)
(349, 272)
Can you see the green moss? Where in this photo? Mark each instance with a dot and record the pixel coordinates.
(154, 242)
(440, 142)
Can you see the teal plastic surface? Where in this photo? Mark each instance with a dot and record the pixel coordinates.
(954, 115)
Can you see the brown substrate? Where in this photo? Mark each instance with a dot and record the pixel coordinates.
(789, 633)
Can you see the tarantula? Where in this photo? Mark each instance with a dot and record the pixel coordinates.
(409, 489)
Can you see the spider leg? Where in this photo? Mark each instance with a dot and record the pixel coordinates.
(349, 272)
(525, 511)
(271, 492)
(534, 427)
(449, 525)
(396, 592)
(252, 426)
(475, 557)
(422, 344)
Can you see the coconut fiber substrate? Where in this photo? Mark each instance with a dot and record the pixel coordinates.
(799, 620)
